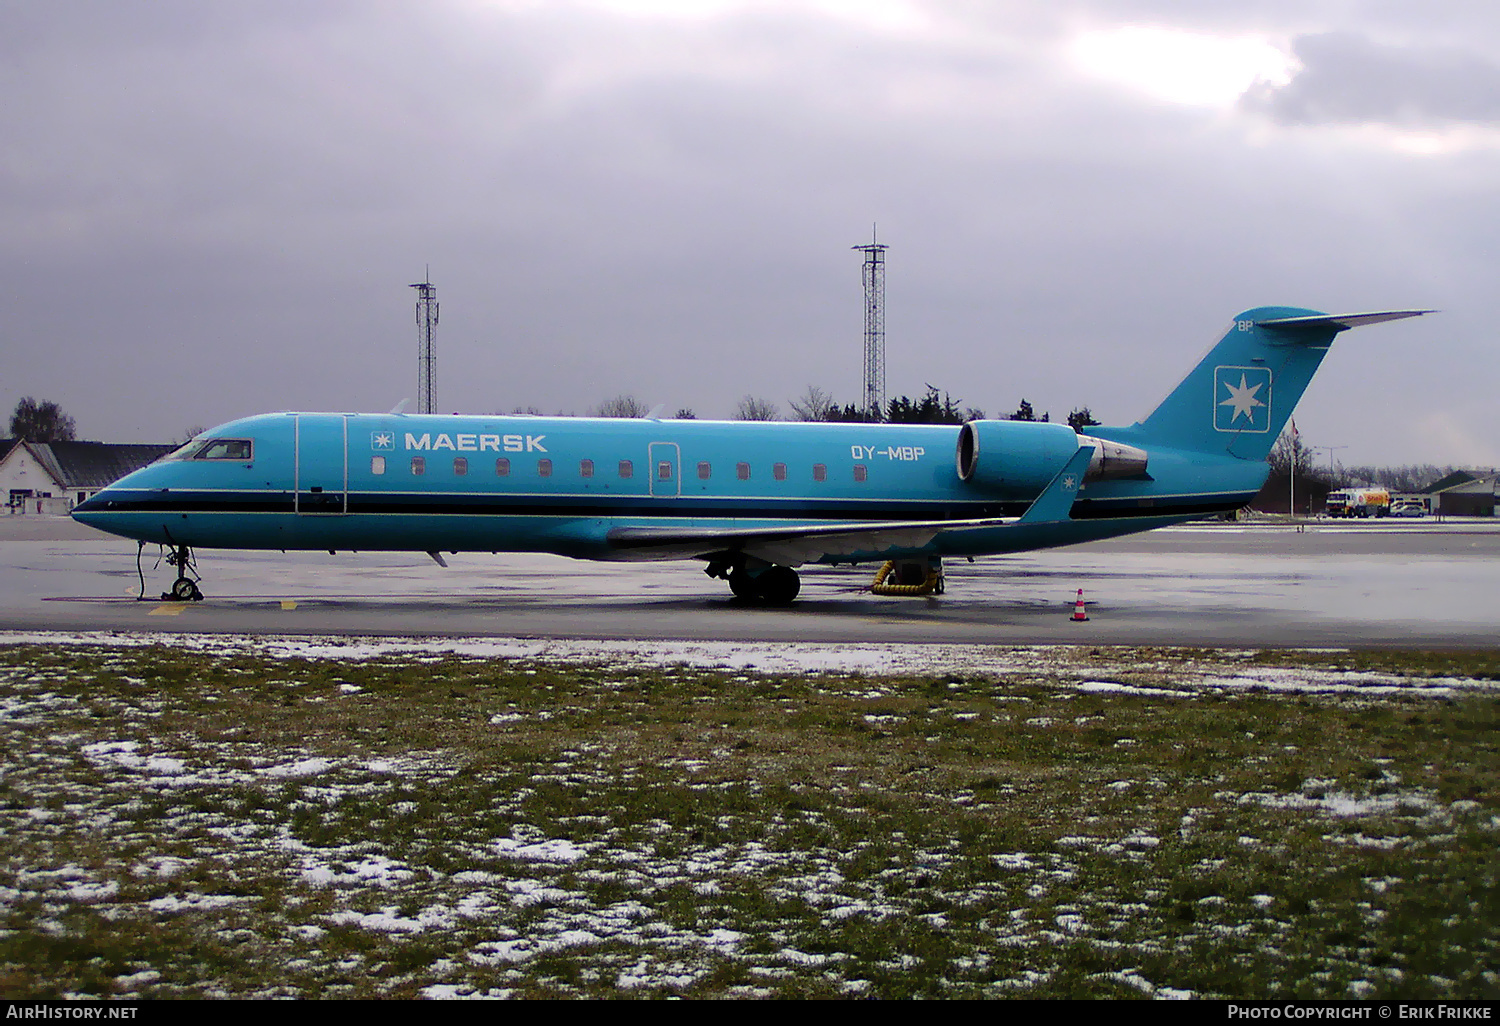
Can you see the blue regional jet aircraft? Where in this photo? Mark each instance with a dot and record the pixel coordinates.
(751, 500)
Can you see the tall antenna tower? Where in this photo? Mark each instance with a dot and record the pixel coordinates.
(427, 318)
(873, 273)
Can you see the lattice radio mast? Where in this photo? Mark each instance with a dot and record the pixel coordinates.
(873, 273)
(427, 319)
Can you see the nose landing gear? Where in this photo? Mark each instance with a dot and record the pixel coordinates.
(185, 588)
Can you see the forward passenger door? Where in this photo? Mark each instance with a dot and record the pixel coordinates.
(321, 480)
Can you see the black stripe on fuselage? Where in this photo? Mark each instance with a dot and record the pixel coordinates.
(612, 507)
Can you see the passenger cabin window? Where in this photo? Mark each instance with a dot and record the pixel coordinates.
(377, 464)
(704, 471)
(664, 470)
(820, 472)
(460, 466)
(585, 468)
(419, 465)
(502, 467)
(742, 471)
(544, 468)
(225, 449)
(778, 471)
(861, 472)
(627, 469)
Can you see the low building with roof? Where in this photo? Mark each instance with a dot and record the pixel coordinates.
(53, 477)
(1465, 494)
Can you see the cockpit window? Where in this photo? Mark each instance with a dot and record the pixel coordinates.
(225, 449)
(185, 450)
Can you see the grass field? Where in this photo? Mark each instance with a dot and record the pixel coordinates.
(1045, 823)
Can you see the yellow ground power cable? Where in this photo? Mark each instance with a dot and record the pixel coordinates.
(927, 587)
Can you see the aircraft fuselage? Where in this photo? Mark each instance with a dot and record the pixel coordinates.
(562, 484)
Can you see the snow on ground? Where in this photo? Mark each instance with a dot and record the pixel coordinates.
(541, 895)
(773, 657)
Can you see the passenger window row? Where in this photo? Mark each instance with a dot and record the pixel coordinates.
(626, 469)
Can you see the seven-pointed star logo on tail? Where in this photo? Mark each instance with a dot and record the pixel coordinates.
(1242, 399)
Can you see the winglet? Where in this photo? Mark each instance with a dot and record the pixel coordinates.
(399, 410)
(1056, 501)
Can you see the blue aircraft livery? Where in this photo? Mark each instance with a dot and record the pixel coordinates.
(751, 500)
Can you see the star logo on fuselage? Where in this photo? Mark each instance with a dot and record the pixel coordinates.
(382, 440)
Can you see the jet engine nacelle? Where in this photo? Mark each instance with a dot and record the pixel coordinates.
(1021, 457)
(1013, 456)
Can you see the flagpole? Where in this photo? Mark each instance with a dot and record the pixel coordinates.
(1291, 485)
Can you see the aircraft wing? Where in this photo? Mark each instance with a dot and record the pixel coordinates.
(798, 544)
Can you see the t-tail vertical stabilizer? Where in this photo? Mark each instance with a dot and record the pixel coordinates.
(1237, 400)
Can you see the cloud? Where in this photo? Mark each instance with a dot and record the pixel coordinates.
(664, 204)
(1348, 79)
(1460, 436)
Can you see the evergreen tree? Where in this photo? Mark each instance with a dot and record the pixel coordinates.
(1081, 418)
(41, 422)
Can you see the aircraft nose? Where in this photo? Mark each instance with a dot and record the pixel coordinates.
(89, 510)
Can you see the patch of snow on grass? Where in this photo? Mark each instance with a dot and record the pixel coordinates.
(300, 768)
(542, 851)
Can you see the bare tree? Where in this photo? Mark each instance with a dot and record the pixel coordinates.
(751, 408)
(686, 413)
(41, 422)
(814, 404)
(1288, 451)
(622, 406)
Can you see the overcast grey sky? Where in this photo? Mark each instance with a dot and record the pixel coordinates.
(214, 209)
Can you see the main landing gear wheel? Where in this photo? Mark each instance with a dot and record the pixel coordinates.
(777, 586)
(773, 586)
(742, 584)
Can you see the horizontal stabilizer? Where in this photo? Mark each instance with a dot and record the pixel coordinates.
(1341, 321)
(1240, 396)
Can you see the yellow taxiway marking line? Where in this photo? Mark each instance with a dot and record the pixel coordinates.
(169, 609)
(288, 604)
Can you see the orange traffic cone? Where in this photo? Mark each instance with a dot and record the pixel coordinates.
(1079, 616)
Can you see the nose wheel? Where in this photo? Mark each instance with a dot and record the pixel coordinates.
(185, 588)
